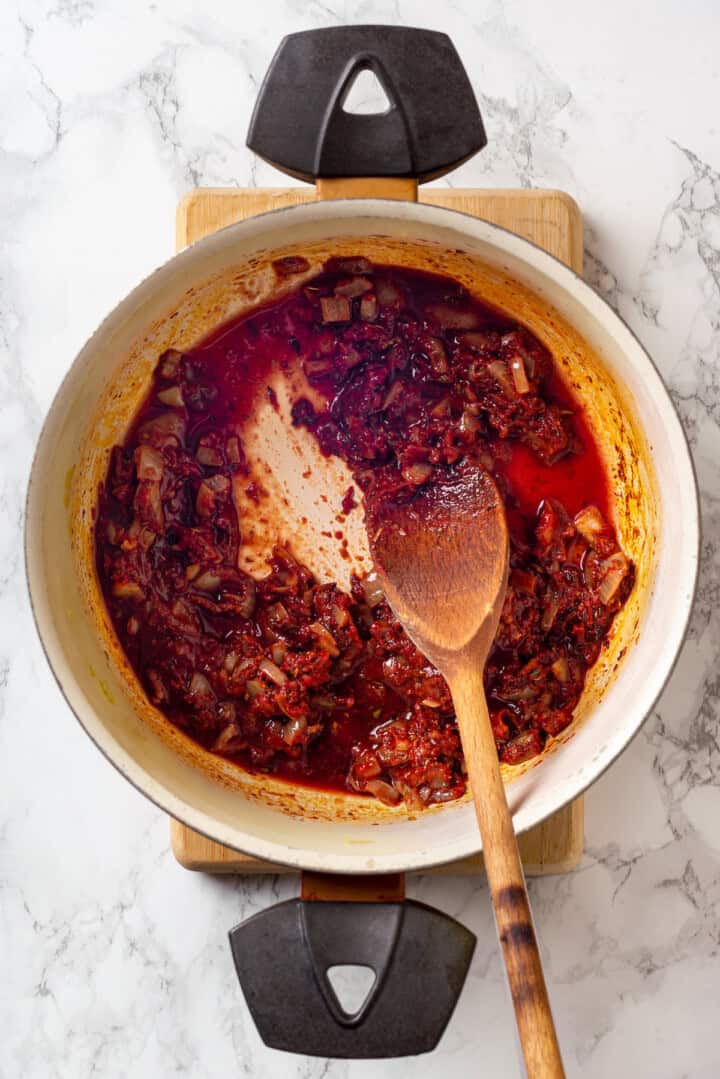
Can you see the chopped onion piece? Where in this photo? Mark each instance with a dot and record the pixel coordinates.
(324, 638)
(226, 711)
(448, 795)
(208, 581)
(436, 776)
(481, 341)
(199, 686)
(278, 652)
(368, 308)
(219, 484)
(519, 374)
(279, 612)
(590, 523)
(387, 294)
(163, 430)
(294, 730)
(147, 504)
(470, 421)
(245, 666)
(500, 372)
(340, 616)
(228, 735)
(354, 287)
(453, 318)
(147, 536)
(159, 690)
(183, 616)
(205, 500)
(254, 688)
(233, 451)
(410, 795)
(149, 464)
(616, 570)
(335, 309)
(373, 589)
(173, 396)
(418, 473)
(523, 747)
(272, 671)
(128, 590)
(365, 766)
(169, 363)
(208, 456)
(513, 345)
(520, 693)
(437, 355)
(561, 669)
(550, 610)
(387, 794)
(245, 605)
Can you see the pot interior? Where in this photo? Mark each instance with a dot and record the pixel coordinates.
(218, 279)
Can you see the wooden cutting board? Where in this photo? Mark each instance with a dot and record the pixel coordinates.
(551, 220)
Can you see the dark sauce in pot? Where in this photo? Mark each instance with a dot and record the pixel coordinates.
(304, 680)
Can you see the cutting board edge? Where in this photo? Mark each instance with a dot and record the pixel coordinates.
(558, 209)
(197, 853)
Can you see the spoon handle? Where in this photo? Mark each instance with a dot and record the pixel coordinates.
(506, 880)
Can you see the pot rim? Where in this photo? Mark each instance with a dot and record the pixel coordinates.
(536, 258)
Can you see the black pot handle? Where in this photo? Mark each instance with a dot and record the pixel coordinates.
(419, 955)
(433, 123)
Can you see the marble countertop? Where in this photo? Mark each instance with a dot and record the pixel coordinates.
(115, 960)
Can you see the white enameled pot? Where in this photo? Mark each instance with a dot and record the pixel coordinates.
(645, 451)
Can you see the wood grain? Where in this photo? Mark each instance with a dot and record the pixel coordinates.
(506, 881)
(552, 220)
(367, 187)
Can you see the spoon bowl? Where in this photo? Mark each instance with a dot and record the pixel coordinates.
(443, 561)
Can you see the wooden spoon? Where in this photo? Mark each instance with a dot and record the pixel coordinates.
(442, 559)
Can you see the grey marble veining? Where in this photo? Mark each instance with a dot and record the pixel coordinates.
(115, 960)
